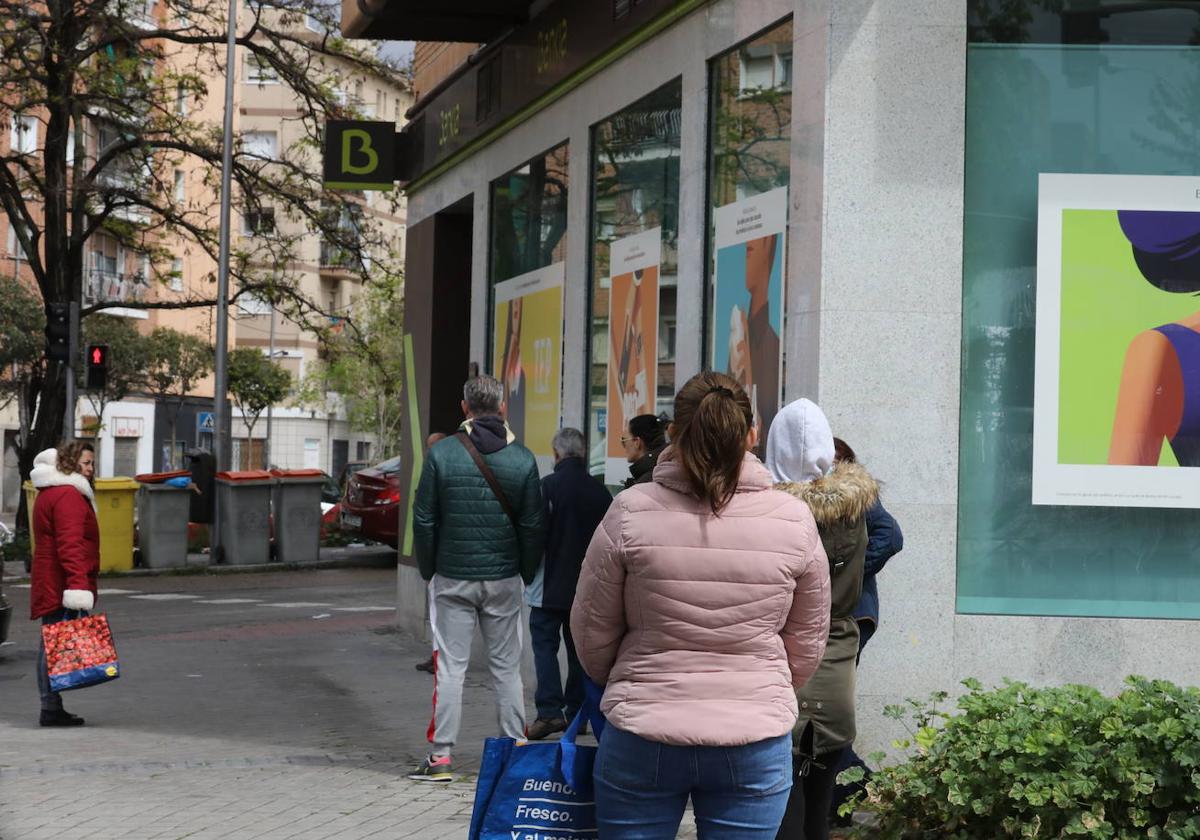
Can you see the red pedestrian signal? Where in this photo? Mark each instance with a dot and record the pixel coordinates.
(97, 367)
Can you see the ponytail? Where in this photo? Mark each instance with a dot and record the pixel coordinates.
(713, 415)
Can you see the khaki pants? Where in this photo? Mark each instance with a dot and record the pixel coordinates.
(454, 607)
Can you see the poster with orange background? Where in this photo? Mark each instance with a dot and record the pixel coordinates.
(632, 340)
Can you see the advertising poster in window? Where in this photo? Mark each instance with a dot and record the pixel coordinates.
(1117, 371)
(527, 356)
(750, 239)
(632, 340)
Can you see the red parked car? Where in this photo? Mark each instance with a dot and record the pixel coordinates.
(371, 506)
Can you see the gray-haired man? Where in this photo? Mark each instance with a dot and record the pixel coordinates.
(475, 548)
(575, 504)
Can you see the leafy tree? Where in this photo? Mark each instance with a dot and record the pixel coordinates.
(255, 382)
(178, 361)
(22, 321)
(121, 98)
(363, 367)
(129, 360)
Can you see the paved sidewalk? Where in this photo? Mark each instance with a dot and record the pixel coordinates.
(251, 707)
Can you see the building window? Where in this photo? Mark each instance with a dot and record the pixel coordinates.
(177, 275)
(765, 64)
(749, 166)
(633, 270)
(363, 450)
(254, 306)
(1090, 92)
(180, 185)
(24, 136)
(258, 221)
(263, 145)
(15, 251)
(313, 23)
(259, 70)
(181, 100)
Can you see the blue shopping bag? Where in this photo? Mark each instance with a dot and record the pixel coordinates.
(536, 791)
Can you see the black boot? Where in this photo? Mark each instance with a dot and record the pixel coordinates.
(60, 717)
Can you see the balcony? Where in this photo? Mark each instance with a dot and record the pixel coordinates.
(109, 287)
(337, 262)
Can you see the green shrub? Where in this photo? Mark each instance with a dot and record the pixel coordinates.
(1060, 762)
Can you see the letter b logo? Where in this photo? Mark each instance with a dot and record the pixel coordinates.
(360, 155)
(356, 146)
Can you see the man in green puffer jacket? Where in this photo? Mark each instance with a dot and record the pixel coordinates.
(476, 557)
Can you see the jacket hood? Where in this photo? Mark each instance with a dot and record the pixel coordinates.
(800, 443)
(846, 493)
(489, 433)
(45, 473)
(669, 473)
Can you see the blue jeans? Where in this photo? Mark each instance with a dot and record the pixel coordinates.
(642, 787)
(551, 701)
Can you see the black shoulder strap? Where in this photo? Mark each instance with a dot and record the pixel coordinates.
(488, 476)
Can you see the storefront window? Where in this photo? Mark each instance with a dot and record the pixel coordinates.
(1073, 500)
(528, 249)
(634, 267)
(751, 132)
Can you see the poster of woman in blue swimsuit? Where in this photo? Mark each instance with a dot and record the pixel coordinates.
(1159, 397)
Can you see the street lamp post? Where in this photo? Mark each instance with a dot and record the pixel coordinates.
(221, 384)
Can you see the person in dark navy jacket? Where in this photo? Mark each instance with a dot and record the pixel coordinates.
(575, 505)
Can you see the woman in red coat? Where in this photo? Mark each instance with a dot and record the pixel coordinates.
(66, 557)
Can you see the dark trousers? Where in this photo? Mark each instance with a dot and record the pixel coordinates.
(807, 814)
(849, 758)
(545, 627)
(51, 700)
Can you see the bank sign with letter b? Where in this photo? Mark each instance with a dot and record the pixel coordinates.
(360, 155)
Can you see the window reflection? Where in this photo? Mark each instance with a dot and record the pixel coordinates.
(635, 175)
(529, 216)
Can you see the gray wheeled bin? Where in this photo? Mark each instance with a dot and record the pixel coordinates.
(163, 525)
(244, 507)
(296, 507)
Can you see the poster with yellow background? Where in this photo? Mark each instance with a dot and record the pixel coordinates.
(527, 333)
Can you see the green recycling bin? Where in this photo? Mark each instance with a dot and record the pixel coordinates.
(244, 511)
(296, 509)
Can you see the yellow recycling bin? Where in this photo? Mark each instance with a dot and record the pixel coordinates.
(114, 513)
(30, 498)
(114, 510)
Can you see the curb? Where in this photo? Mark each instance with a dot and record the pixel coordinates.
(371, 557)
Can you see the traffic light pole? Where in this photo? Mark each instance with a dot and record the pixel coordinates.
(221, 420)
(72, 359)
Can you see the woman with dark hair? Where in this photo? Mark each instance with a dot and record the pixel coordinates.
(703, 601)
(1159, 397)
(643, 440)
(800, 456)
(66, 556)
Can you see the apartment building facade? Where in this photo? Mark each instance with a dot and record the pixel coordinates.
(135, 433)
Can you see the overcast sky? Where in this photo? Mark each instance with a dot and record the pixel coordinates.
(398, 53)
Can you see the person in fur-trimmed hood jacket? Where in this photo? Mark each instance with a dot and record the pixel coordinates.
(800, 456)
(66, 556)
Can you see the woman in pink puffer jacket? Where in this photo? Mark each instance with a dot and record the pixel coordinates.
(703, 602)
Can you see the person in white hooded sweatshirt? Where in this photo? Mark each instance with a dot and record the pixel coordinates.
(66, 555)
(800, 456)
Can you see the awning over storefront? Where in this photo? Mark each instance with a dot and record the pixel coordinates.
(473, 21)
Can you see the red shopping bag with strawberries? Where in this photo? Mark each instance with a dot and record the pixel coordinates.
(80, 652)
